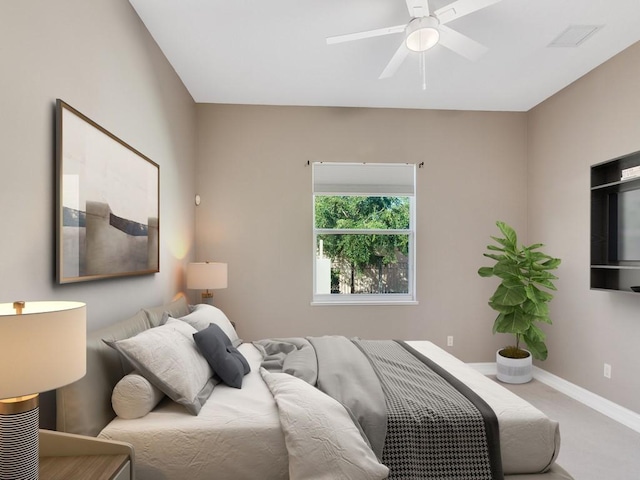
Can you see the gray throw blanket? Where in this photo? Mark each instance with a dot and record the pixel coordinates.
(346, 375)
(336, 366)
(418, 423)
(294, 356)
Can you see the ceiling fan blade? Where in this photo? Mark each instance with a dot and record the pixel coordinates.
(418, 8)
(461, 44)
(395, 61)
(461, 8)
(368, 34)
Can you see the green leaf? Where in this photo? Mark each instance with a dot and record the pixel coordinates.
(537, 348)
(546, 283)
(534, 309)
(505, 269)
(508, 232)
(497, 258)
(508, 296)
(531, 292)
(552, 263)
(515, 322)
(538, 275)
(510, 281)
(485, 271)
(535, 334)
(504, 242)
(540, 268)
(536, 257)
(540, 295)
(497, 323)
(502, 308)
(544, 319)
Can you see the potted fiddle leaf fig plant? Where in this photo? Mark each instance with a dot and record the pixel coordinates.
(521, 300)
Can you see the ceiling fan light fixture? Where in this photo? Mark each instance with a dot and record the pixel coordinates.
(422, 34)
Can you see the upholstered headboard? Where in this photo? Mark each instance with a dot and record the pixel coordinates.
(84, 407)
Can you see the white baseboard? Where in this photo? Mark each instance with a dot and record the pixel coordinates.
(600, 404)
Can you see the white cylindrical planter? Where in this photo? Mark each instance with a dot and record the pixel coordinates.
(514, 370)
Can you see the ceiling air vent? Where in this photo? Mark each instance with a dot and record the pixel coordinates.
(575, 35)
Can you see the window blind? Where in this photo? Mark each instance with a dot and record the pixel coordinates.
(373, 179)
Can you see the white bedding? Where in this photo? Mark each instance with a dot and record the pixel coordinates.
(237, 434)
(322, 440)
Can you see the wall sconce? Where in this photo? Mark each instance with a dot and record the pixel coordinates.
(206, 276)
(43, 347)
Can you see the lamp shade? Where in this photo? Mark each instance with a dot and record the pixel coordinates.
(42, 348)
(206, 275)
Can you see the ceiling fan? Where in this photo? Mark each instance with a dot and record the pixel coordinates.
(425, 30)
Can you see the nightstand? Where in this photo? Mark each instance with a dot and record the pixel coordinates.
(64, 456)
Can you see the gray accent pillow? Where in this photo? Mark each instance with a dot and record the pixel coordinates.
(168, 357)
(225, 360)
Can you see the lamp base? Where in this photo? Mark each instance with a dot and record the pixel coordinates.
(207, 297)
(19, 422)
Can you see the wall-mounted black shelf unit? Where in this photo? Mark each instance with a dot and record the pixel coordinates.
(615, 224)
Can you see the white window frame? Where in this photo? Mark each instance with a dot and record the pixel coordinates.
(350, 184)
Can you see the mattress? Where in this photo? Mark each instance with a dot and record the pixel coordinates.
(237, 434)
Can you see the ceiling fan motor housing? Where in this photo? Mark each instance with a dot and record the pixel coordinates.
(422, 34)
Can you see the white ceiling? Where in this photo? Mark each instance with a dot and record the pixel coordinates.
(273, 52)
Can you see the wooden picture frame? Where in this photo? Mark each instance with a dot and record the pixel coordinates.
(108, 203)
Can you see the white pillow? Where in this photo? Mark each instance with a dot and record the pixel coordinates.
(134, 396)
(203, 315)
(322, 440)
(168, 357)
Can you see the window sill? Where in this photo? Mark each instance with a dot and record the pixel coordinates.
(342, 303)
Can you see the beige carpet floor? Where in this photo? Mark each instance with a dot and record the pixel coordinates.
(593, 446)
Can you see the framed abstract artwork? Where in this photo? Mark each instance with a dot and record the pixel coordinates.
(108, 203)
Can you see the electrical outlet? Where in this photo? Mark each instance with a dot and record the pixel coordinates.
(450, 341)
(607, 370)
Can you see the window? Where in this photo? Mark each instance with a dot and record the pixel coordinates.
(363, 233)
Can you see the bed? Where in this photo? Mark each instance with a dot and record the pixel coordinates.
(263, 430)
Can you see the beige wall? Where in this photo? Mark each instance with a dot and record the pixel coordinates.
(595, 119)
(98, 57)
(257, 206)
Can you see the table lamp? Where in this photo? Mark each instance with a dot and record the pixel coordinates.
(206, 276)
(42, 347)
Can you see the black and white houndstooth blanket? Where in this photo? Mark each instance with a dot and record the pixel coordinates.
(434, 431)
